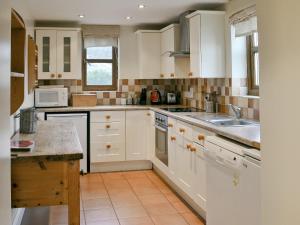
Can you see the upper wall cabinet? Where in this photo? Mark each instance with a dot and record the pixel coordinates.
(148, 51)
(207, 44)
(59, 53)
(172, 67)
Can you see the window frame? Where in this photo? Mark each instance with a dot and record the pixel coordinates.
(113, 61)
(253, 89)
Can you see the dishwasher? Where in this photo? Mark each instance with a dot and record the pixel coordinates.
(233, 183)
(80, 120)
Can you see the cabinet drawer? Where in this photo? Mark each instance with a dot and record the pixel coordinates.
(107, 150)
(184, 129)
(107, 116)
(199, 135)
(104, 129)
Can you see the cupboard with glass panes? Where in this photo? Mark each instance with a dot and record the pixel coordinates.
(59, 55)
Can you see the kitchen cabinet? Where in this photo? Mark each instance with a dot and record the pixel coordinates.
(172, 67)
(207, 44)
(137, 126)
(150, 134)
(59, 53)
(107, 136)
(172, 145)
(148, 51)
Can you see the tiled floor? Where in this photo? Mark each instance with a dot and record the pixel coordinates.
(127, 198)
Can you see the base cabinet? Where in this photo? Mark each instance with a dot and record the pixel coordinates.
(136, 134)
(107, 136)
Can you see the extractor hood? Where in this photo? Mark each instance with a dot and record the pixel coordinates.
(184, 50)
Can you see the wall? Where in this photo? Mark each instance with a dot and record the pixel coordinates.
(280, 107)
(5, 202)
(21, 8)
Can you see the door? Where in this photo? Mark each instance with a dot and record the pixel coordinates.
(195, 40)
(68, 57)
(199, 176)
(150, 135)
(136, 134)
(80, 122)
(46, 42)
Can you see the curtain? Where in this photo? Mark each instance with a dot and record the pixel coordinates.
(100, 35)
(244, 21)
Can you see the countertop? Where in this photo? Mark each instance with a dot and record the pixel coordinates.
(248, 135)
(54, 141)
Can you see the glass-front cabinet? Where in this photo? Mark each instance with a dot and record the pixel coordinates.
(59, 53)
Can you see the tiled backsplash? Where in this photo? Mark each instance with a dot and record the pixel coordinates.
(133, 87)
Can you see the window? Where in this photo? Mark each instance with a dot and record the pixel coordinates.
(100, 69)
(253, 64)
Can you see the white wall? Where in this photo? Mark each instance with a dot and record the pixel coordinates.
(279, 30)
(22, 8)
(5, 202)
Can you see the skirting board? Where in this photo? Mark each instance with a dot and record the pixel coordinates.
(17, 216)
(181, 193)
(121, 166)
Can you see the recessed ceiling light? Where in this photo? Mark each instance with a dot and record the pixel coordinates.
(141, 6)
(81, 16)
(128, 17)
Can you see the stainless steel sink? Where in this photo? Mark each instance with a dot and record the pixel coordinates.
(224, 121)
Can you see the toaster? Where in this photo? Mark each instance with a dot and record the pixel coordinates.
(171, 98)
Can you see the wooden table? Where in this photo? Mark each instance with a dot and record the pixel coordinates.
(49, 175)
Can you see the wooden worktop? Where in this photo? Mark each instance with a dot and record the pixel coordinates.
(54, 141)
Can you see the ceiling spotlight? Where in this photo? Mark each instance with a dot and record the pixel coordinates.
(81, 16)
(128, 17)
(141, 6)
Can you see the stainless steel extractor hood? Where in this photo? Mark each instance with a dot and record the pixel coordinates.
(184, 50)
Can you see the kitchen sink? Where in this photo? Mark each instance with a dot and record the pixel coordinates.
(223, 120)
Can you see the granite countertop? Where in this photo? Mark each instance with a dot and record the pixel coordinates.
(248, 135)
(54, 141)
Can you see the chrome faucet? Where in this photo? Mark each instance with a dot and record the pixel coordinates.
(237, 111)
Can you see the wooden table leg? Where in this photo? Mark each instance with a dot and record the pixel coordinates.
(73, 193)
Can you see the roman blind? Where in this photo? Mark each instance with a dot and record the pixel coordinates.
(244, 21)
(100, 35)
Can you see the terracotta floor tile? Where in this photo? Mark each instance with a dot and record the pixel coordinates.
(145, 190)
(112, 176)
(125, 199)
(104, 222)
(90, 178)
(61, 217)
(143, 181)
(168, 219)
(134, 174)
(160, 209)
(192, 219)
(172, 197)
(95, 193)
(131, 211)
(136, 221)
(116, 184)
(97, 203)
(181, 207)
(99, 214)
(153, 199)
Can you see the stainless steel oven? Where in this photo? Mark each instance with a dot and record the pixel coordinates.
(161, 138)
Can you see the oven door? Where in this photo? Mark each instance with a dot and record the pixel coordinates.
(161, 144)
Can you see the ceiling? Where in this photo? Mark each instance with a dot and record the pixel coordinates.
(114, 11)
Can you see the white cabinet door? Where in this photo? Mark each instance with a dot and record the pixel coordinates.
(172, 145)
(199, 176)
(148, 54)
(150, 135)
(207, 44)
(68, 55)
(136, 134)
(46, 42)
(167, 66)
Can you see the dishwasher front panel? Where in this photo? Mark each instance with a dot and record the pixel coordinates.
(80, 120)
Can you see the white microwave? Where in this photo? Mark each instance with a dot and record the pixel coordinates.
(51, 97)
